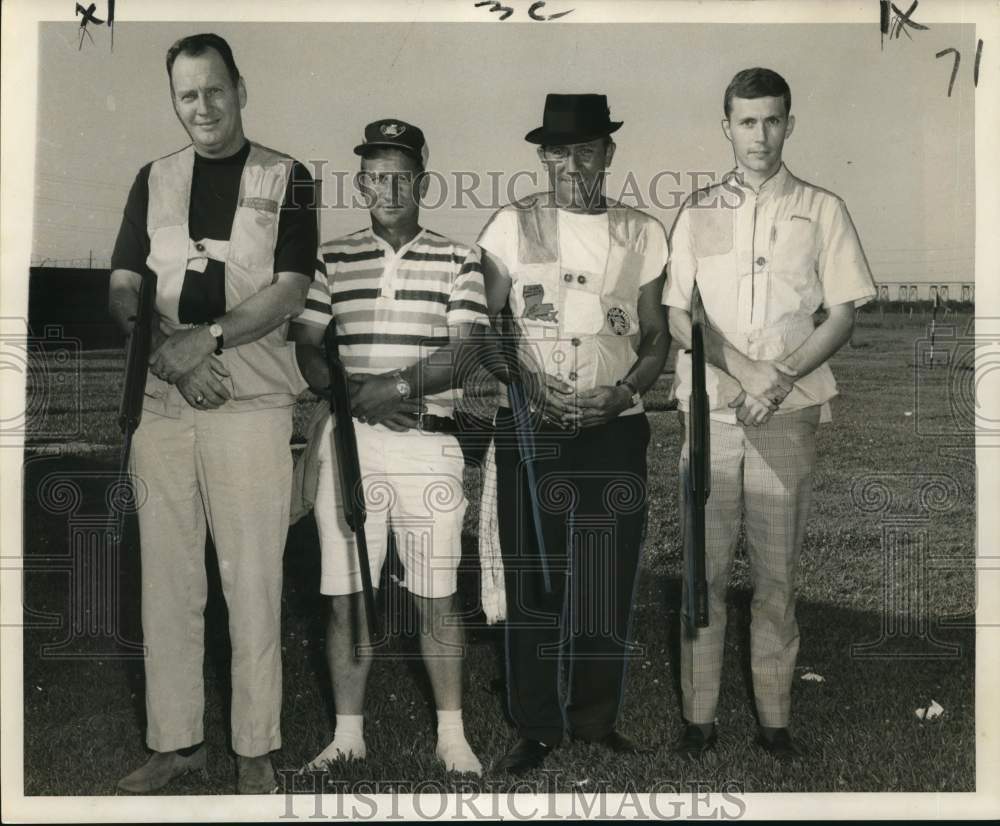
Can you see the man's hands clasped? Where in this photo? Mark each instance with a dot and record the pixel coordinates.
(180, 353)
(203, 387)
(562, 405)
(186, 359)
(375, 400)
(765, 384)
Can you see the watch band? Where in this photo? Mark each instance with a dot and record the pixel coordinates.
(636, 395)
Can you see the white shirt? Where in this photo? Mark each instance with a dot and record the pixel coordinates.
(764, 261)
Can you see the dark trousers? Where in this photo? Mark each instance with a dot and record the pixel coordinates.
(592, 497)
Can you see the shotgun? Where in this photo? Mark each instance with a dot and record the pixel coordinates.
(521, 410)
(345, 446)
(134, 389)
(697, 480)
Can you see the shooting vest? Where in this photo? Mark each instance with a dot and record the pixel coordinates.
(263, 373)
(591, 337)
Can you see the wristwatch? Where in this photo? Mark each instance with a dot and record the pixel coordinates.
(215, 329)
(636, 395)
(402, 385)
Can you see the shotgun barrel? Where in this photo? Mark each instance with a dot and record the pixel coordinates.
(345, 445)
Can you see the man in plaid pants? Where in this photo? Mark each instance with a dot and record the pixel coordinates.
(764, 251)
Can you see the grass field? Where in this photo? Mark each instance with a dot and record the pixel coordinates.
(896, 474)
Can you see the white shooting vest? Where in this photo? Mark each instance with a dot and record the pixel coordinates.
(263, 373)
(592, 338)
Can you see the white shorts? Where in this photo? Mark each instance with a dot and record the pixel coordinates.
(413, 482)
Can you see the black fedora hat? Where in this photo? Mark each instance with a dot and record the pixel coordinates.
(574, 119)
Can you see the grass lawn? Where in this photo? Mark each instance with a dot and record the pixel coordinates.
(888, 556)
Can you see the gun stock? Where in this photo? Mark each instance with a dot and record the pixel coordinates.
(345, 444)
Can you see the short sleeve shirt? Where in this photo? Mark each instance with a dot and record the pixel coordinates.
(215, 187)
(395, 307)
(764, 262)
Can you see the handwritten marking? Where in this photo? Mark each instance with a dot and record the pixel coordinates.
(87, 15)
(534, 11)
(497, 8)
(954, 69)
(536, 7)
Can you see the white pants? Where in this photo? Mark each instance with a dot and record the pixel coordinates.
(230, 473)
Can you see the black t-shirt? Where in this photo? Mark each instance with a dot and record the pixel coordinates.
(215, 189)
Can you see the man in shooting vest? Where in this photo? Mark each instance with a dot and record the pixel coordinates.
(582, 276)
(229, 229)
(765, 251)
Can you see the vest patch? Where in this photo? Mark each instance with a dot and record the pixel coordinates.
(619, 320)
(263, 204)
(534, 308)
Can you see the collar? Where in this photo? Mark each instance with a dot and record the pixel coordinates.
(387, 247)
(774, 185)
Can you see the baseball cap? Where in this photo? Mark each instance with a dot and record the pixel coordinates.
(391, 132)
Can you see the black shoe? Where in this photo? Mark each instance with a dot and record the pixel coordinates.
(524, 756)
(694, 743)
(618, 743)
(780, 745)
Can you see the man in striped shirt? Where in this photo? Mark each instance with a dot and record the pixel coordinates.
(405, 301)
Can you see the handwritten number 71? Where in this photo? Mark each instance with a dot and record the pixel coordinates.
(958, 61)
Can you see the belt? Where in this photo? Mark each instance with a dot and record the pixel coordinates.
(429, 423)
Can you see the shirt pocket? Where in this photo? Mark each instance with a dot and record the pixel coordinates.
(253, 236)
(794, 250)
(582, 312)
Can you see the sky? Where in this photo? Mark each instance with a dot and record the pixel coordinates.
(874, 123)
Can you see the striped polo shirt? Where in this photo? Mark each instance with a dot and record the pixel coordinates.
(395, 307)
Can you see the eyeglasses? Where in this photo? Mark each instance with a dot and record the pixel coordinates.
(583, 154)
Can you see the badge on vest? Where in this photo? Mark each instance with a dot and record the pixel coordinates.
(263, 204)
(533, 306)
(619, 321)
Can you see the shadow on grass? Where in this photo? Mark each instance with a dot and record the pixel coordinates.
(84, 710)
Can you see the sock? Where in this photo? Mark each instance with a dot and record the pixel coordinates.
(187, 751)
(452, 747)
(350, 726)
(348, 742)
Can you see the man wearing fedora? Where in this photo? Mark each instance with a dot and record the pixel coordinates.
(763, 263)
(405, 301)
(580, 276)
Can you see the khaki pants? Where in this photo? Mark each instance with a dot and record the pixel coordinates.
(764, 476)
(229, 473)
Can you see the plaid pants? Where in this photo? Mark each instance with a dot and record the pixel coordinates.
(763, 474)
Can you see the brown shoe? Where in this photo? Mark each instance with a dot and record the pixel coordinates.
(255, 775)
(161, 768)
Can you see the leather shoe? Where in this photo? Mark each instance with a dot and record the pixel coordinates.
(255, 775)
(780, 745)
(694, 743)
(161, 768)
(618, 743)
(524, 756)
